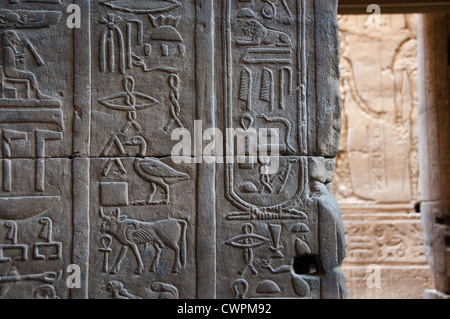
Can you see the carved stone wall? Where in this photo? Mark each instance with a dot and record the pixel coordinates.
(434, 148)
(377, 173)
(88, 175)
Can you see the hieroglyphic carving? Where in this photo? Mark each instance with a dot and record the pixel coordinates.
(382, 240)
(46, 233)
(159, 289)
(118, 291)
(40, 249)
(268, 88)
(155, 48)
(390, 138)
(166, 291)
(175, 108)
(19, 88)
(45, 292)
(275, 234)
(142, 7)
(24, 207)
(162, 64)
(248, 36)
(247, 242)
(246, 88)
(106, 242)
(107, 44)
(133, 172)
(259, 34)
(27, 19)
(36, 105)
(268, 49)
(377, 167)
(8, 137)
(131, 233)
(285, 75)
(129, 101)
(41, 137)
(12, 236)
(240, 288)
(47, 277)
(155, 172)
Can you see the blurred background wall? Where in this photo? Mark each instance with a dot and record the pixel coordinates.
(377, 171)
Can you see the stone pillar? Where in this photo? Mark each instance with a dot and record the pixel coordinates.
(434, 123)
(293, 211)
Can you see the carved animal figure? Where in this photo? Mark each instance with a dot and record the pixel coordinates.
(118, 291)
(155, 172)
(166, 291)
(259, 33)
(132, 233)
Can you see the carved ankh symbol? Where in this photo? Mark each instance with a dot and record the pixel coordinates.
(106, 242)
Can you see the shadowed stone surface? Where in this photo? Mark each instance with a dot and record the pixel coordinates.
(88, 177)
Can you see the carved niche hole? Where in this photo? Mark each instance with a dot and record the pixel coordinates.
(443, 220)
(448, 50)
(417, 208)
(307, 265)
(447, 241)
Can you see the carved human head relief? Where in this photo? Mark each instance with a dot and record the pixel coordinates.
(10, 39)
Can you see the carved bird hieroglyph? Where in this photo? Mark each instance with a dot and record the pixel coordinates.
(154, 172)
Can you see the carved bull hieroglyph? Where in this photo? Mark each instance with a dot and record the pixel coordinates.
(132, 233)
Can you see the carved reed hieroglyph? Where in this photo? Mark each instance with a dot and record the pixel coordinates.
(89, 119)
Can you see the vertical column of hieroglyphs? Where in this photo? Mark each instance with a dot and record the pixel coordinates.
(280, 234)
(36, 99)
(142, 203)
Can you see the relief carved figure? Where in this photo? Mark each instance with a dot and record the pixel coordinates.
(119, 89)
(132, 233)
(258, 33)
(321, 196)
(13, 61)
(377, 172)
(385, 149)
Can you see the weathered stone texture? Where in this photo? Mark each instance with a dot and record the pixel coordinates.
(87, 171)
(377, 171)
(434, 148)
